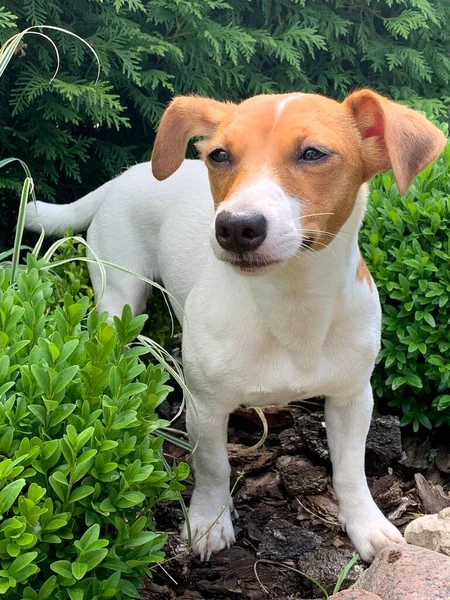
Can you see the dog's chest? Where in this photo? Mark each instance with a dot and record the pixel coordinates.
(262, 349)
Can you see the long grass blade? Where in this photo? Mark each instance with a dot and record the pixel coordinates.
(345, 571)
(9, 48)
(26, 189)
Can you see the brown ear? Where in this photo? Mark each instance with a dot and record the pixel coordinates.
(186, 117)
(394, 137)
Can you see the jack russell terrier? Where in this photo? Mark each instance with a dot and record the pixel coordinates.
(263, 261)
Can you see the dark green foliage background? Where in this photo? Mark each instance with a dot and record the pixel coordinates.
(75, 133)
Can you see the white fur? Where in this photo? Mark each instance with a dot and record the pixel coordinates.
(304, 328)
(283, 103)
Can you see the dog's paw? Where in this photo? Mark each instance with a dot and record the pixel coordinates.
(370, 533)
(210, 533)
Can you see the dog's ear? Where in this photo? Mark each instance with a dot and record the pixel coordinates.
(394, 137)
(186, 117)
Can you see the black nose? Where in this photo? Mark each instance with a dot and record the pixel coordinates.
(240, 232)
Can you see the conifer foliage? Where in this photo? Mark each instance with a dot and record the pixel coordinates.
(75, 133)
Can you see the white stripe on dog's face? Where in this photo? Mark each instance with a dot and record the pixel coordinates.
(283, 103)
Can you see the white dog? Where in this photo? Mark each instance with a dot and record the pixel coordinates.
(278, 302)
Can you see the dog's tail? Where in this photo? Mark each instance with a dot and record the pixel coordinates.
(56, 218)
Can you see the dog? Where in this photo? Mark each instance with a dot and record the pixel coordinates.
(264, 270)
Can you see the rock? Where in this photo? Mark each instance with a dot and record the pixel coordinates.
(384, 443)
(326, 564)
(431, 531)
(300, 479)
(291, 441)
(403, 572)
(283, 540)
(355, 595)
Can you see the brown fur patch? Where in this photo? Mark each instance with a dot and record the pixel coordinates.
(363, 273)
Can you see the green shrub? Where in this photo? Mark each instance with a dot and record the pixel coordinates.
(75, 133)
(406, 243)
(81, 464)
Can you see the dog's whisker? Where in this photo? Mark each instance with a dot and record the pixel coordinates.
(333, 235)
(313, 215)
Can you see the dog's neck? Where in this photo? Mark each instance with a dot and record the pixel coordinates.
(299, 300)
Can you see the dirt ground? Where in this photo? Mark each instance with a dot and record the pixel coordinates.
(287, 511)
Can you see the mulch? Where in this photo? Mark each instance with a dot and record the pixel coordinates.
(287, 532)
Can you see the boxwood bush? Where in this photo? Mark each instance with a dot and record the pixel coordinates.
(81, 463)
(407, 248)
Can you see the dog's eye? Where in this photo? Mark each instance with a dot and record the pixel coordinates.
(311, 154)
(219, 155)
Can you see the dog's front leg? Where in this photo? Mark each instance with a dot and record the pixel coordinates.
(348, 421)
(209, 511)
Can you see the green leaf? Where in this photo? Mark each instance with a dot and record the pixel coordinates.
(63, 568)
(79, 570)
(89, 537)
(42, 377)
(64, 377)
(76, 594)
(9, 494)
(429, 319)
(47, 588)
(61, 413)
(126, 419)
(94, 558)
(81, 492)
(130, 499)
(59, 484)
(413, 380)
(398, 382)
(20, 563)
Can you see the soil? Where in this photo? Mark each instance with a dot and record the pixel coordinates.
(287, 533)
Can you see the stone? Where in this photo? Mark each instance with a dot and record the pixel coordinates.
(300, 479)
(431, 531)
(282, 540)
(355, 595)
(404, 572)
(326, 564)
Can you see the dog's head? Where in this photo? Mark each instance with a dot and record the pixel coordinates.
(285, 170)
